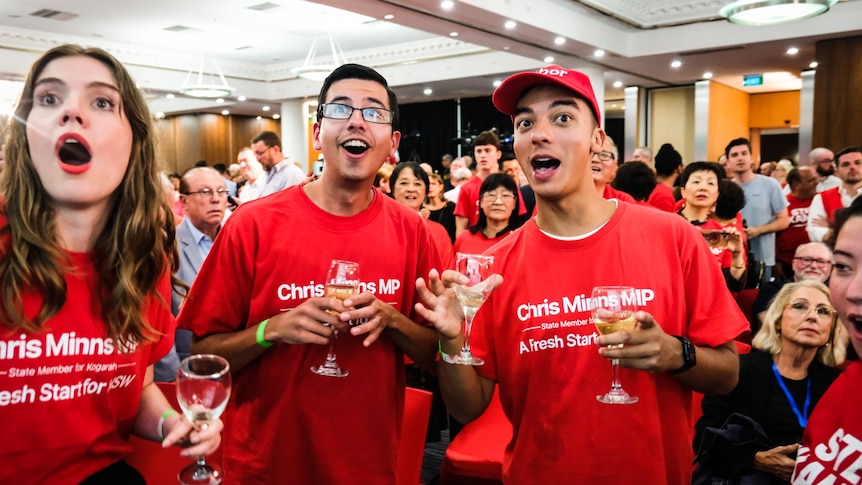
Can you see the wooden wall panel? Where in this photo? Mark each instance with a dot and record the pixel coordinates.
(838, 93)
(187, 139)
(215, 138)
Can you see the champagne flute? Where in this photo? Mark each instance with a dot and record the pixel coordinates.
(342, 282)
(203, 389)
(478, 269)
(613, 309)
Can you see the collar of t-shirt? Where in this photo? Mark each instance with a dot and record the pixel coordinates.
(582, 236)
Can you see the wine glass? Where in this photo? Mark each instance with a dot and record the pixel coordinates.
(203, 389)
(613, 309)
(478, 269)
(342, 282)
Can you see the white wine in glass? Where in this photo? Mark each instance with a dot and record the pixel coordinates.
(478, 269)
(203, 390)
(342, 282)
(613, 310)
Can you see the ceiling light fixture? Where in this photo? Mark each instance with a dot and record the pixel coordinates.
(813, 64)
(447, 4)
(770, 12)
(225, 112)
(599, 53)
(388, 17)
(427, 91)
(707, 75)
(497, 83)
(549, 59)
(265, 108)
(276, 116)
(675, 64)
(319, 71)
(792, 51)
(510, 24)
(560, 40)
(207, 85)
(240, 98)
(618, 84)
(453, 34)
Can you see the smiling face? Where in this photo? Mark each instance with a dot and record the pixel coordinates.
(806, 320)
(409, 189)
(79, 138)
(354, 148)
(846, 280)
(604, 164)
(555, 136)
(701, 189)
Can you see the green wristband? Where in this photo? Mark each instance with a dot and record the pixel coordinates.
(260, 328)
(443, 355)
(162, 420)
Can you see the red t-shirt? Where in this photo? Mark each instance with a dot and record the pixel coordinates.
(285, 422)
(468, 201)
(440, 238)
(788, 240)
(538, 342)
(470, 243)
(612, 193)
(662, 198)
(831, 451)
(68, 396)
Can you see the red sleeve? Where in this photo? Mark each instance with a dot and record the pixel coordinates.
(465, 203)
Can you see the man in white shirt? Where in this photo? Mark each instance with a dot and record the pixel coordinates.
(822, 211)
(822, 160)
(253, 172)
(280, 171)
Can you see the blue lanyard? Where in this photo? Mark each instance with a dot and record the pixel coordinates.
(802, 418)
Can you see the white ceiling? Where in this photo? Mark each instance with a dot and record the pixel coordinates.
(257, 42)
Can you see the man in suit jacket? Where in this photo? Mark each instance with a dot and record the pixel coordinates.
(204, 197)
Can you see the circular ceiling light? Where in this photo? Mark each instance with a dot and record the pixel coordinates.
(770, 12)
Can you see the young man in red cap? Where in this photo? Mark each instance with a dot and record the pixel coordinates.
(535, 332)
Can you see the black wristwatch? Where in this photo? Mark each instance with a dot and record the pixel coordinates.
(689, 359)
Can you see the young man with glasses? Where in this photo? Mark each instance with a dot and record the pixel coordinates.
(259, 301)
(281, 172)
(812, 261)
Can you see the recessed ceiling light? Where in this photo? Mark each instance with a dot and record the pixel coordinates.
(707, 75)
(170, 96)
(276, 116)
(265, 108)
(160, 115)
(549, 59)
(792, 51)
(613, 106)
(388, 17)
(510, 24)
(560, 40)
(618, 84)
(220, 100)
(599, 53)
(675, 64)
(225, 112)
(240, 98)
(813, 64)
(453, 34)
(447, 4)
(259, 118)
(497, 83)
(428, 91)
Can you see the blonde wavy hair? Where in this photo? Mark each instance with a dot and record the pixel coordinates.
(768, 338)
(133, 252)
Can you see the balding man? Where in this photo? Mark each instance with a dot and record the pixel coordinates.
(204, 198)
(823, 161)
(644, 155)
(253, 172)
(813, 261)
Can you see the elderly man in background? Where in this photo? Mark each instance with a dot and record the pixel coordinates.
(813, 261)
(643, 155)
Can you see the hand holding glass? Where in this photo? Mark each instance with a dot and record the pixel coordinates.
(203, 389)
(342, 282)
(613, 309)
(478, 269)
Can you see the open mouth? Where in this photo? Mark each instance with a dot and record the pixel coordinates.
(355, 147)
(856, 321)
(73, 152)
(542, 165)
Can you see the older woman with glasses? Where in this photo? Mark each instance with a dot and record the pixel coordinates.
(799, 346)
(498, 215)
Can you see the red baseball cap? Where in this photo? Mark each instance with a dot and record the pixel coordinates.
(506, 95)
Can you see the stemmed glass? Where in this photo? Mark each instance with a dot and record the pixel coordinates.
(342, 282)
(203, 389)
(478, 269)
(613, 309)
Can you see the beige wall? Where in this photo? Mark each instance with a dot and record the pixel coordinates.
(671, 120)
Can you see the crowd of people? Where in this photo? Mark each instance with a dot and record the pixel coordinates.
(113, 271)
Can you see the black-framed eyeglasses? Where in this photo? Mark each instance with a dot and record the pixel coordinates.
(258, 155)
(806, 261)
(338, 111)
(801, 308)
(208, 193)
(606, 156)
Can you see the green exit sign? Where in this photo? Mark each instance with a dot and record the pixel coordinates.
(752, 80)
